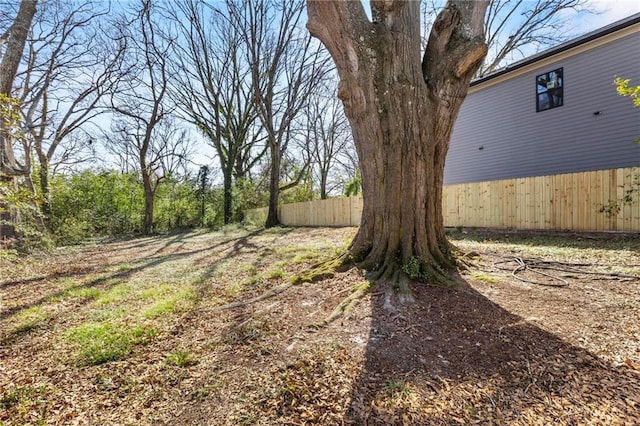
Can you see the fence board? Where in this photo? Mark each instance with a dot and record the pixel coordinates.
(568, 201)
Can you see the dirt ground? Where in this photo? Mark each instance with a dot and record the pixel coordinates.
(543, 329)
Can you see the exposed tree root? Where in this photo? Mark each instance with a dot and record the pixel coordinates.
(255, 314)
(465, 260)
(266, 295)
(347, 304)
(322, 271)
(397, 279)
(318, 272)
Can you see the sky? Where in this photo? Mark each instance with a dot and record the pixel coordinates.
(612, 11)
(609, 11)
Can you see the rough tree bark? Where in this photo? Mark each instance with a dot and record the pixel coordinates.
(401, 111)
(16, 39)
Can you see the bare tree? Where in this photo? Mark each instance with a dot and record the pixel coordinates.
(214, 90)
(286, 67)
(165, 157)
(515, 29)
(69, 69)
(141, 106)
(402, 111)
(329, 139)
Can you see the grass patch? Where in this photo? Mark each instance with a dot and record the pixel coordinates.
(98, 343)
(237, 287)
(157, 291)
(277, 271)
(176, 303)
(123, 267)
(116, 294)
(180, 358)
(111, 314)
(82, 293)
(306, 256)
(249, 268)
(277, 230)
(10, 255)
(484, 277)
(166, 303)
(23, 396)
(398, 390)
(160, 308)
(30, 319)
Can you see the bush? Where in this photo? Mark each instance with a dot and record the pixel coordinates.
(93, 203)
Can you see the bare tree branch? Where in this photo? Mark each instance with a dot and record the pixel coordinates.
(286, 67)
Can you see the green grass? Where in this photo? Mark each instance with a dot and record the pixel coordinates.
(249, 268)
(485, 277)
(306, 255)
(116, 294)
(180, 358)
(277, 271)
(101, 342)
(398, 390)
(83, 293)
(30, 319)
(10, 255)
(120, 268)
(24, 396)
(176, 302)
(160, 308)
(235, 288)
(157, 291)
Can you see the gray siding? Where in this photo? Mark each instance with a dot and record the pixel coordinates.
(517, 141)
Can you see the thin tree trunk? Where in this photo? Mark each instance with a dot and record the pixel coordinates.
(274, 188)
(147, 224)
(45, 191)
(323, 184)
(228, 196)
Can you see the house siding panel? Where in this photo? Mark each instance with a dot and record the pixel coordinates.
(518, 142)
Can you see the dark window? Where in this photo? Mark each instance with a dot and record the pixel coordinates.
(549, 90)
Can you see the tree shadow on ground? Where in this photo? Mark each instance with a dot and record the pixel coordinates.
(455, 357)
(108, 277)
(548, 238)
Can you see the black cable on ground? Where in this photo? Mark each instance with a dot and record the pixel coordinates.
(537, 266)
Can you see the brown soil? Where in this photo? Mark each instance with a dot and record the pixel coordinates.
(496, 350)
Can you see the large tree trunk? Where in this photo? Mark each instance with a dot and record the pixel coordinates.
(17, 37)
(402, 113)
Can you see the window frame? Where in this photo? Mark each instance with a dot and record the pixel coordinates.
(557, 91)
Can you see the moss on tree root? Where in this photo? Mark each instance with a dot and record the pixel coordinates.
(394, 277)
(324, 270)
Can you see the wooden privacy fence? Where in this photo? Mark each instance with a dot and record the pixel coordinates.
(331, 212)
(568, 201)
